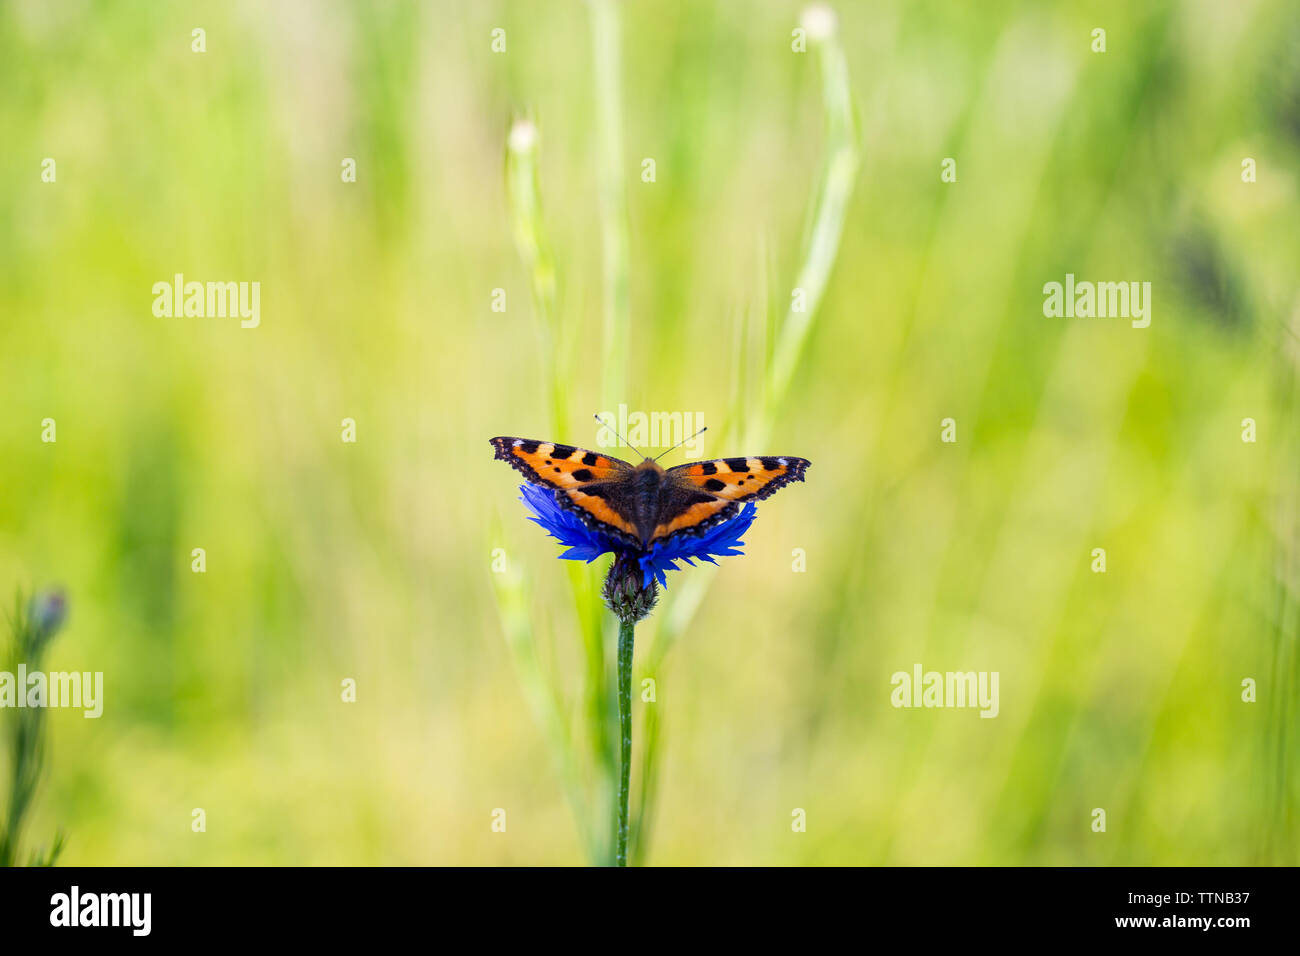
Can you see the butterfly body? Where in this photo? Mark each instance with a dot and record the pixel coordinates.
(645, 504)
(646, 485)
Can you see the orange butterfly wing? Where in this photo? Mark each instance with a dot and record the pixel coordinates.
(589, 484)
(742, 479)
(558, 466)
(692, 518)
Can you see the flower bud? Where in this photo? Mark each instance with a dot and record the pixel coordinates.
(626, 592)
(46, 613)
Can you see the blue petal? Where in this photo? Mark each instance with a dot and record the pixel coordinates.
(584, 544)
(718, 542)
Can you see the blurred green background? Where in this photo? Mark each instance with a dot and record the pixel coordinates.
(372, 560)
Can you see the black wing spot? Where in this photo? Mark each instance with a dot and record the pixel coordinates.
(582, 474)
(562, 451)
(590, 459)
(709, 468)
(714, 485)
(529, 448)
(771, 464)
(737, 464)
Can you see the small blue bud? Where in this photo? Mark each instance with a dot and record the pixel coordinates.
(47, 612)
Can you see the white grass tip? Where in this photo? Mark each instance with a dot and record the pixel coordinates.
(819, 20)
(523, 136)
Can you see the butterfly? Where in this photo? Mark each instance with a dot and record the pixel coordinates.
(642, 505)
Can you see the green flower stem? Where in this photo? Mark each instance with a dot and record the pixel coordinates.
(25, 731)
(25, 744)
(513, 602)
(626, 636)
(834, 192)
(523, 190)
(607, 56)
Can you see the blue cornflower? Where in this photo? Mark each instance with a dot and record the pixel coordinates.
(46, 613)
(586, 544)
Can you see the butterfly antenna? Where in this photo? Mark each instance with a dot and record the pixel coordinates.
(620, 437)
(681, 443)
